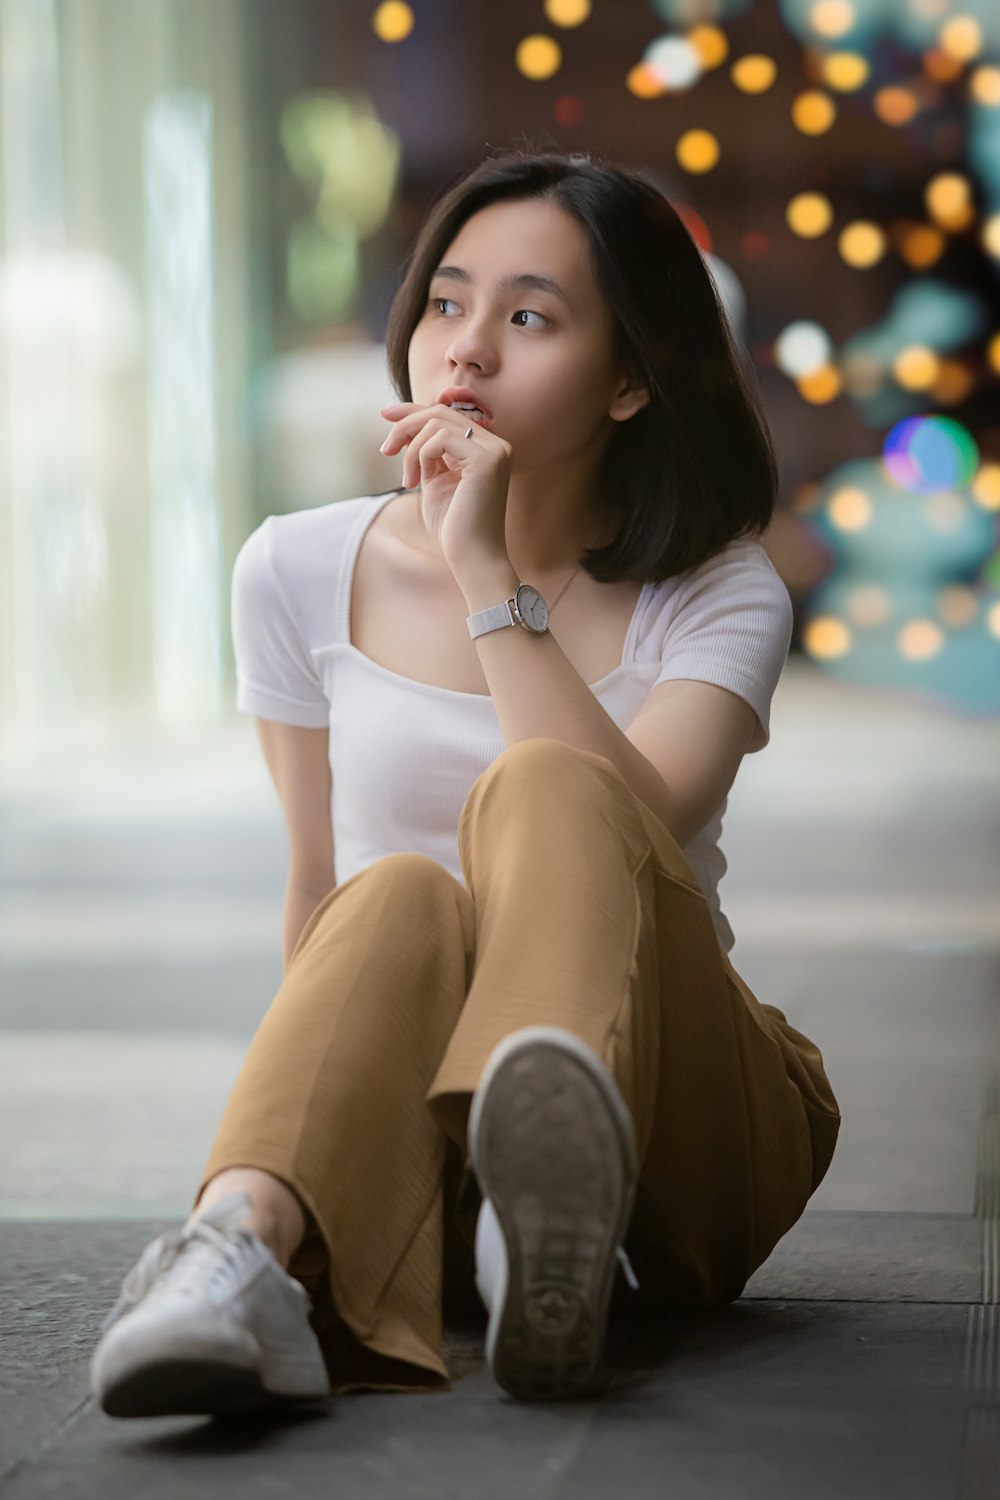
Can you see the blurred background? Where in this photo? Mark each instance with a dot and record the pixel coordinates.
(205, 209)
(204, 213)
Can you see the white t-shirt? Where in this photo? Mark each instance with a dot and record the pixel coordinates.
(404, 754)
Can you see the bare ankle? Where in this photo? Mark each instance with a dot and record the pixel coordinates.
(276, 1215)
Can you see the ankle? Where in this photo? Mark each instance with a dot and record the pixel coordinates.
(275, 1215)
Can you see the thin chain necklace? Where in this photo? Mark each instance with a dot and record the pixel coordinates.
(565, 587)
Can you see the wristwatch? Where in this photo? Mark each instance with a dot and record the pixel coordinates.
(526, 608)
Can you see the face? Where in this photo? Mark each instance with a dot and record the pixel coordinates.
(543, 363)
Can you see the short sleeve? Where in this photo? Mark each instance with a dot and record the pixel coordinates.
(275, 677)
(732, 626)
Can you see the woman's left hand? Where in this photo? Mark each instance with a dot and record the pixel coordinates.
(463, 480)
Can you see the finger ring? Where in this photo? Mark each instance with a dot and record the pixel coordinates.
(469, 433)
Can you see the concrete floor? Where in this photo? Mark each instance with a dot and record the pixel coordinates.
(140, 937)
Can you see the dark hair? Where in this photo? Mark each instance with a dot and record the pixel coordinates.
(695, 467)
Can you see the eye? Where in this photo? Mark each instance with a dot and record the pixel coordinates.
(436, 302)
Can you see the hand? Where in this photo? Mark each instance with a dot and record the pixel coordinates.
(463, 480)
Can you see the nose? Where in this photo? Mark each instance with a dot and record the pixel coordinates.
(470, 348)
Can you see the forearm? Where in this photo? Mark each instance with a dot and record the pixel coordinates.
(299, 907)
(538, 693)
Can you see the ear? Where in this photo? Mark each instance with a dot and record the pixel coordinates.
(631, 397)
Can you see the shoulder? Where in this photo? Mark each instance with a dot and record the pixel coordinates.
(738, 578)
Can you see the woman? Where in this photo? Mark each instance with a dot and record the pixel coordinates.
(509, 1054)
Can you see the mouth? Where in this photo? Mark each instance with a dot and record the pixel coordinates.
(467, 402)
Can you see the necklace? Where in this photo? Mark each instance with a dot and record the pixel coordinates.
(564, 587)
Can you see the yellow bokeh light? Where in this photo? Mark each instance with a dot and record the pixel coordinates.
(861, 244)
(915, 367)
(991, 236)
(920, 639)
(868, 606)
(831, 17)
(697, 151)
(813, 112)
(948, 197)
(392, 21)
(710, 43)
(567, 12)
(809, 215)
(849, 509)
(957, 606)
(985, 486)
(993, 352)
(993, 619)
(961, 37)
(644, 82)
(845, 71)
(984, 86)
(820, 385)
(895, 105)
(754, 73)
(826, 637)
(920, 245)
(537, 57)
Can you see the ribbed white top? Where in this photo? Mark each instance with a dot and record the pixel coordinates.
(404, 754)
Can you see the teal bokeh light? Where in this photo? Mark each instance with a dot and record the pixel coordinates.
(930, 453)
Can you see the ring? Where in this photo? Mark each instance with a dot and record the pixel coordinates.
(469, 433)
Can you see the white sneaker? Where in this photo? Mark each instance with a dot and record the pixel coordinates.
(207, 1321)
(552, 1144)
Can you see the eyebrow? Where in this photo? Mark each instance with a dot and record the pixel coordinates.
(527, 279)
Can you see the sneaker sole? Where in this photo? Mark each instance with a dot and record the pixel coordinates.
(553, 1147)
(192, 1387)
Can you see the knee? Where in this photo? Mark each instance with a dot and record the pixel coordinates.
(548, 758)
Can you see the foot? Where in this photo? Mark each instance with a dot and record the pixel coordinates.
(207, 1321)
(553, 1147)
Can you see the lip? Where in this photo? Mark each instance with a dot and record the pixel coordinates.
(463, 393)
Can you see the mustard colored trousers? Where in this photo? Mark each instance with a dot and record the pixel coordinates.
(579, 910)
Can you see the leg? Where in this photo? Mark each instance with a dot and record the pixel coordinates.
(588, 916)
(277, 1216)
(330, 1102)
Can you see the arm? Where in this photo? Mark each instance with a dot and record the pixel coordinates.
(298, 760)
(679, 755)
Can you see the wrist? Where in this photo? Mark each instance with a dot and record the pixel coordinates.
(489, 585)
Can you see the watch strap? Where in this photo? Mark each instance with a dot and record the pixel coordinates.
(494, 618)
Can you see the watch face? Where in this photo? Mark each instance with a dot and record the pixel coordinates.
(532, 607)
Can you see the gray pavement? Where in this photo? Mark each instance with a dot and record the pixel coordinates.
(140, 934)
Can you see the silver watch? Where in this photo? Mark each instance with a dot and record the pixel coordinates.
(526, 608)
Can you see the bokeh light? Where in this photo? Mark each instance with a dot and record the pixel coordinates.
(754, 73)
(538, 57)
(813, 112)
(674, 62)
(392, 21)
(809, 215)
(845, 71)
(915, 367)
(961, 37)
(984, 86)
(832, 18)
(697, 151)
(861, 244)
(802, 347)
(710, 43)
(567, 12)
(948, 197)
(895, 104)
(929, 453)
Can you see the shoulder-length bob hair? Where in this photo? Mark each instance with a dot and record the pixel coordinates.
(694, 468)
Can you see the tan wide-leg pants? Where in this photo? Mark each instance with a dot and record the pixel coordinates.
(578, 909)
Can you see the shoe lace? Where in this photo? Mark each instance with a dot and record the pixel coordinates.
(210, 1257)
